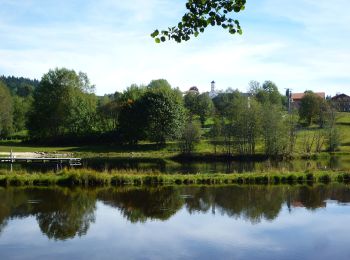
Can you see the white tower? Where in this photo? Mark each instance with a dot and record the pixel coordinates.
(212, 93)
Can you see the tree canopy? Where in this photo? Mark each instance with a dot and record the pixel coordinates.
(23, 87)
(6, 116)
(62, 105)
(156, 113)
(310, 106)
(266, 92)
(199, 104)
(200, 14)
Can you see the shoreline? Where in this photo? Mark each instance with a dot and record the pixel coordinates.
(91, 178)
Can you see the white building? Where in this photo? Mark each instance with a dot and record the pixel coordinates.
(213, 93)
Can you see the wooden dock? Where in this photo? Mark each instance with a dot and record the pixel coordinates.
(62, 160)
(58, 160)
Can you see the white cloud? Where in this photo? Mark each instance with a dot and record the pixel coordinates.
(110, 41)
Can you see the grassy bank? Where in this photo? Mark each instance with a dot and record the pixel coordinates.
(204, 150)
(92, 178)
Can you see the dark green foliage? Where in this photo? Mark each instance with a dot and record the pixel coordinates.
(190, 102)
(201, 14)
(22, 87)
(199, 104)
(155, 113)
(325, 178)
(131, 118)
(63, 105)
(224, 102)
(132, 122)
(310, 177)
(205, 107)
(6, 110)
(21, 108)
(310, 108)
(22, 90)
(108, 110)
(164, 112)
(266, 93)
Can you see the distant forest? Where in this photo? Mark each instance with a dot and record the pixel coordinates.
(20, 86)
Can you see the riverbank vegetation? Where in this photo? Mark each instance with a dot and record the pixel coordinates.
(87, 177)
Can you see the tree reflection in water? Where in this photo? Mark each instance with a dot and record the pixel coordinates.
(69, 215)
(64, 213)
(140, 205)
(61, 213)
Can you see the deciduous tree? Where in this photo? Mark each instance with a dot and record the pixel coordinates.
(63, 104)
(310, 106)
(201, 14)
(6, 110)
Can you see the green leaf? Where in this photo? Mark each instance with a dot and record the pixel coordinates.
(155, 33)
(157, 40)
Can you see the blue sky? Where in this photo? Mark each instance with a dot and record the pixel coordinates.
(300, 44)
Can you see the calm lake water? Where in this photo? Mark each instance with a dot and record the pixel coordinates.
(169, 166)
(232, 222)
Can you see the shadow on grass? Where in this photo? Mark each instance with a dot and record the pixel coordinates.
(147, 147)
(343, 123)
(118, 148)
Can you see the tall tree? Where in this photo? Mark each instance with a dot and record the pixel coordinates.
(310, 106)
(245, 120)
(275, 131)
(164, 111)
(63, 104)
(108, 110)
(190, 102)
(6, 110)
(21, 108)
(155, 113)
(131, 116)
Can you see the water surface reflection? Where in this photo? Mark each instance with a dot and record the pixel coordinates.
(185, 222)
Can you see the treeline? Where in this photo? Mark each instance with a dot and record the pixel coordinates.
(20, 86)
(63, 109)
(16, 97)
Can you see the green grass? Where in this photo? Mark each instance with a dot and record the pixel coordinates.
(151, 150)
(144, 149)
(92, 178)
(18, 146)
